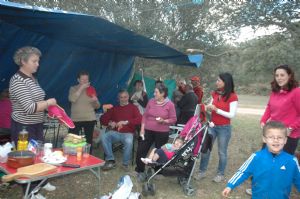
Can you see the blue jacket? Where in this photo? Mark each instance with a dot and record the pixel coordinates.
(273, 176)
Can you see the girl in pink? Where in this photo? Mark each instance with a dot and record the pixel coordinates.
(165, 153)
(284, 105)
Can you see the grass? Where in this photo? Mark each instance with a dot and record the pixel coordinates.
(256, 102)
(246, 138)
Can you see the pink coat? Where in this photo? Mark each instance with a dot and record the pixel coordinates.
(284, 106)
(5, 113)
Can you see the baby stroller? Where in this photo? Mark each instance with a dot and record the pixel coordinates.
(183, 163)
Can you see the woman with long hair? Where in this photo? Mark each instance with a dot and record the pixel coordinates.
(284, 105)
(223, 108)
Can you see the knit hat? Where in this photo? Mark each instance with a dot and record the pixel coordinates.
(195, 78)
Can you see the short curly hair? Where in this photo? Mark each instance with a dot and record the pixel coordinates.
(23, 54)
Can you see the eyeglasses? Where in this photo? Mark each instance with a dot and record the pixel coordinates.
(274, 138)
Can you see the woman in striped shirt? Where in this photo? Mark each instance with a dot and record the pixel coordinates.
(28, 99)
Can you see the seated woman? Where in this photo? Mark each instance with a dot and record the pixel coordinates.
(5, 112)
(165, 153)
(6, 109)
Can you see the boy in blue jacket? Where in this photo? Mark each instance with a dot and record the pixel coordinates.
(273, 170)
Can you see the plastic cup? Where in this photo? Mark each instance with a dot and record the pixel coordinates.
(86, 150)
(40, 148)
(65, 151)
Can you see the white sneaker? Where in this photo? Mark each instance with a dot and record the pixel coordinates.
(218, 178)
(200, 176)
(37, 196)
(146, 160)
(49, 187)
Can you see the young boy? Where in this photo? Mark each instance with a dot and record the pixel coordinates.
(165, 153)
(273, 170)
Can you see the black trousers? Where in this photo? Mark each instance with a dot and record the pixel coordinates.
(88, 130)
(158, 138)
(291, 145)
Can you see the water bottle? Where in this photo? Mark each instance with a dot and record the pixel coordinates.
(22, 140)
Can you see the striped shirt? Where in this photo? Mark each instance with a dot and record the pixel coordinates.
(25, 92)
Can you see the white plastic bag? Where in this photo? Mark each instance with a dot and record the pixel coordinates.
(135, 195)
(124, 188)
(4, 150)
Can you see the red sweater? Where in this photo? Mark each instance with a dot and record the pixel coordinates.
(128, 112)
(199, 92)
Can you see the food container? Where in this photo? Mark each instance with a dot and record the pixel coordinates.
(71, 149)
(17, 159)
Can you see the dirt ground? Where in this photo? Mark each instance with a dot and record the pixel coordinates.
(246, 138)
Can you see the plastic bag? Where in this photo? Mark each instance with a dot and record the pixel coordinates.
(124, 188)
(4, 150)
(135, 195)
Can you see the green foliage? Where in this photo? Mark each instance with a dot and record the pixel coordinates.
(206, 26)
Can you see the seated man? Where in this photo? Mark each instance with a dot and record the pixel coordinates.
(120, 121)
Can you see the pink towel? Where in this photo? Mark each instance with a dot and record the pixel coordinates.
(91, 91)
(55, 111)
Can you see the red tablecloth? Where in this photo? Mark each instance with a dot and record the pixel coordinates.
(85, 163)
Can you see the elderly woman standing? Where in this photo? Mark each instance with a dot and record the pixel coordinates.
(159, 115)
(83, 107)
(223, 108)
(26, 95)
(28, 98)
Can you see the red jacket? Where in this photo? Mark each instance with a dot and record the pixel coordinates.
(199, 92)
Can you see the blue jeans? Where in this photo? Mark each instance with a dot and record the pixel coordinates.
(110, 137)
(223, 135)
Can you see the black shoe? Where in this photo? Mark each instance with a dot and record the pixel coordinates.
(109, 164)
(125, 168)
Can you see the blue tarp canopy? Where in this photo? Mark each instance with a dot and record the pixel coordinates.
(71, 42)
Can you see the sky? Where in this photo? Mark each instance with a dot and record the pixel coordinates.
(247, 33)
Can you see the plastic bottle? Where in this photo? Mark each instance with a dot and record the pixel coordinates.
(48, 149)
(79, 153)
(22, 140)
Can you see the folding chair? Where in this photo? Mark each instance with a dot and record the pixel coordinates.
(54, 125)
(119, 146)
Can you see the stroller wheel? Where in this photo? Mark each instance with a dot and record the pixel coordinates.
(149, 173)
(142, 177)
(188, 190)
(181, 180)
(148, 189)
